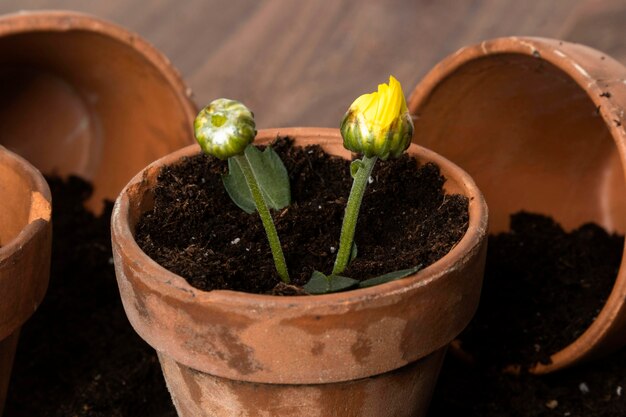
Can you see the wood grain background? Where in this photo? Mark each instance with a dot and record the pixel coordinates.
(301, 63)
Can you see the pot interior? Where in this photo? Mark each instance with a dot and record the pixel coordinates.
(531, 138)
(82, 102)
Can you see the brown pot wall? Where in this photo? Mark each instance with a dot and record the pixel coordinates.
(83, 96)
(356, 341)
(404, 392)
(25, 235)
(539, 124)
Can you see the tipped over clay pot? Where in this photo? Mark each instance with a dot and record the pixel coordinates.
(83, 96)
(371, 352)
(25, 234)
(539, 125)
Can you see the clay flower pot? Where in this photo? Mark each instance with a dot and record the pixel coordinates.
(371, 352)
(25, 235)
(540, 125)
(72, 85)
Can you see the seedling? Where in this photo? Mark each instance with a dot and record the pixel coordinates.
(226, 130)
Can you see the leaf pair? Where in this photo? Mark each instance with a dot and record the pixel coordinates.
(270, 174)
(324, 284)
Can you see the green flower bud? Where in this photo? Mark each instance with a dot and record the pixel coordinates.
(378, 124)
(224, 128)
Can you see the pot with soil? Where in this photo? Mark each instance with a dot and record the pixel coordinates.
(373, 351)
(539, 124)
(25, 236)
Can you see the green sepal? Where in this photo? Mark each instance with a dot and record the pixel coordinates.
(391, 276)
(355, 166)
(269, 172)
(323, 284)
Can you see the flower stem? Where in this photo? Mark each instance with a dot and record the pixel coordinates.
(352, 214)
(266, 217)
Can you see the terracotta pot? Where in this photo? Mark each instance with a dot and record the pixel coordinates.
(83, 96)
(371, 352)
(539, 124)
(25, 235)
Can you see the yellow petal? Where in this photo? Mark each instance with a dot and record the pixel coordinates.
(395, 84)
(389, 105)
(365, 105)
(381, 107)
(392, 104)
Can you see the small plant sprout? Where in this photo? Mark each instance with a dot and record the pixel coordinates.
(377, 125)
(226, 129)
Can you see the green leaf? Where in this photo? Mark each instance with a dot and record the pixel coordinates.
(237, 187)
(270, 174)
(340, 283)
(355, 166)
(354, 252)
(322, 284)
(391, 276)
(325, 284)
(318, 284)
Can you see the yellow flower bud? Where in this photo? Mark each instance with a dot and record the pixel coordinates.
(224, 128)
(379, 123)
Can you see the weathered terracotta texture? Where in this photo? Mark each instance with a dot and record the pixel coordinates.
(539, 124)
(355, 342)
(83, 96)
(404, 392)
(25, 234)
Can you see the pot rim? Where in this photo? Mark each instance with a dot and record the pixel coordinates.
(176, 286)
(40, 208)
(599, 337)
(63, 21)
(541, 48)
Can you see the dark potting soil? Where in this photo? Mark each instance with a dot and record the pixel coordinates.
(543, 287)
(78, 356)
(196, 231)
(596, 389)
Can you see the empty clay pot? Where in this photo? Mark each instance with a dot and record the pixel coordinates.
(25, 235)
(371, 352)
(83, 96)
(539, 124)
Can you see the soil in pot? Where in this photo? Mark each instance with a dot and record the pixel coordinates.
(78, 355)
(595, 389)
(543, 287)
(196, 231)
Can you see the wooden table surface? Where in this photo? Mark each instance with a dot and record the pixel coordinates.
(301, 63)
